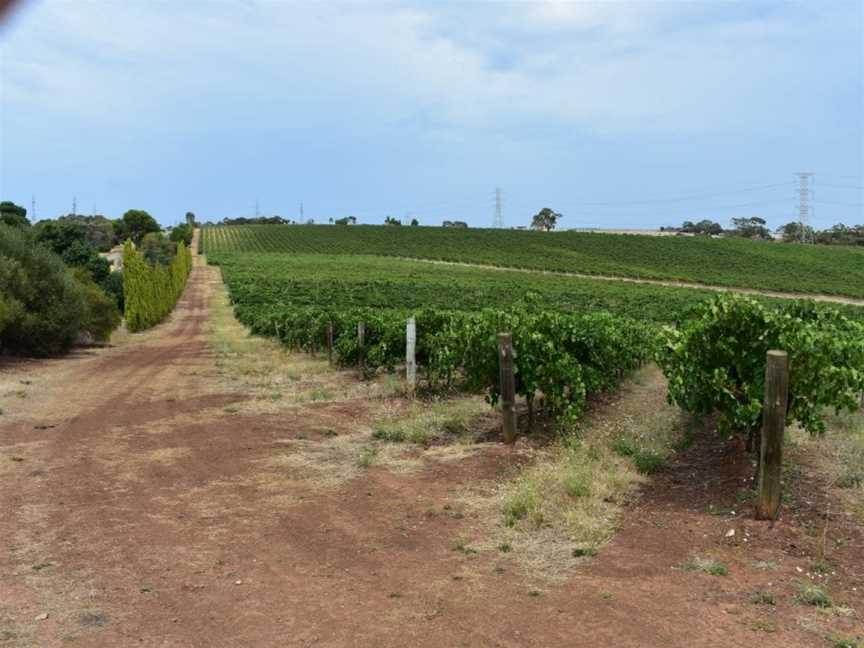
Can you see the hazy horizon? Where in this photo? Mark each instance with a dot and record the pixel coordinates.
(616, 114)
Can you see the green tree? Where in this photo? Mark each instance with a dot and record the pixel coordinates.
(794, 233)
(135, 225)
(42, 306)
(752, 228)
(546, 219)
(157, 249)
(68, 238)
(190, 220)
(414, 222)
(389, 220)
(181, 233)
(13, 215)
(101, 314)
(99, 230)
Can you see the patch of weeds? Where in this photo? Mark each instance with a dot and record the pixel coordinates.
(8, 635)
(524, 500)
(439, 422)
(535, 593)
(231, 409)
(42, 566)
(820, 567)
(705, 565)
(606, 596)
(367, 456)
(394, 595)
(584, 552)
(745, 495)
(330, 433)
(762, 597)
(646, 460)
(461, 546)
(320, 394)
(841, 642)
(810, 594)
(499, 570)
(504, 547)
(761, 625)
(766, 565)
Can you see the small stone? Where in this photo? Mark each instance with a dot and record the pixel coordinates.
(238, 582)
(42, 616)
(730, 533)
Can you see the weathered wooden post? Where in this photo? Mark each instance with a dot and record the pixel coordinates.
(330, 343)
(410, 356)
(508, 387)
(773, 425)
(361, 334)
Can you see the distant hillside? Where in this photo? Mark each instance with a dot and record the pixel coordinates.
(726, 262)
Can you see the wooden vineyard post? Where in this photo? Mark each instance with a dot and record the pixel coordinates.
(508, 387)
(361, 333)
(314, 342)
(330, 343)
(410, 356)
(773, 424)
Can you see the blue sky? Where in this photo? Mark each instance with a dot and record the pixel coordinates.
(616, 114)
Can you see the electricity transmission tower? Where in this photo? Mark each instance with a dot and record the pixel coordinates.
(806, 180)
(33, 208)
(256, 208)
(498, 222)
(74, 206)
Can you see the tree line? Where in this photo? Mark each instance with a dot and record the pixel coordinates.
(792, 232)
(55, 287)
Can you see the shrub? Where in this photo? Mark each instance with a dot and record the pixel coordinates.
(101, 315)
(151, 291)
(715, 361)
(42, 306)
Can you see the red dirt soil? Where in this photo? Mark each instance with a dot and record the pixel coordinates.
(134, 515)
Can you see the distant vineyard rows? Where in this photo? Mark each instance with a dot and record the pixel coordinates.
(727, 262)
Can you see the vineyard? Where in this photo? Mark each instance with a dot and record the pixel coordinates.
(724, 262)
(573, 336)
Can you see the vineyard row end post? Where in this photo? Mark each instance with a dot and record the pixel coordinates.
(508, 387)
(773, 427)
(361, 334)
(410, 355)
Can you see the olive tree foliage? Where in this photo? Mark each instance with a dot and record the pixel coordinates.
(546, 219)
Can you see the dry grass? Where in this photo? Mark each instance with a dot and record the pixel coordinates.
(441, 422)
(840, 456)
(565, 505)
(277, 377)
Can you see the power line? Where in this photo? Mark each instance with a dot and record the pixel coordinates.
(682, 198)
(842, 186)
(844, 204)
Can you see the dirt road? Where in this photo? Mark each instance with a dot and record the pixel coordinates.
(149, 500)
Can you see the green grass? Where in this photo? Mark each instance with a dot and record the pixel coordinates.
(440, 422)
(726, 262)
(810, 594)
(705, 565)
